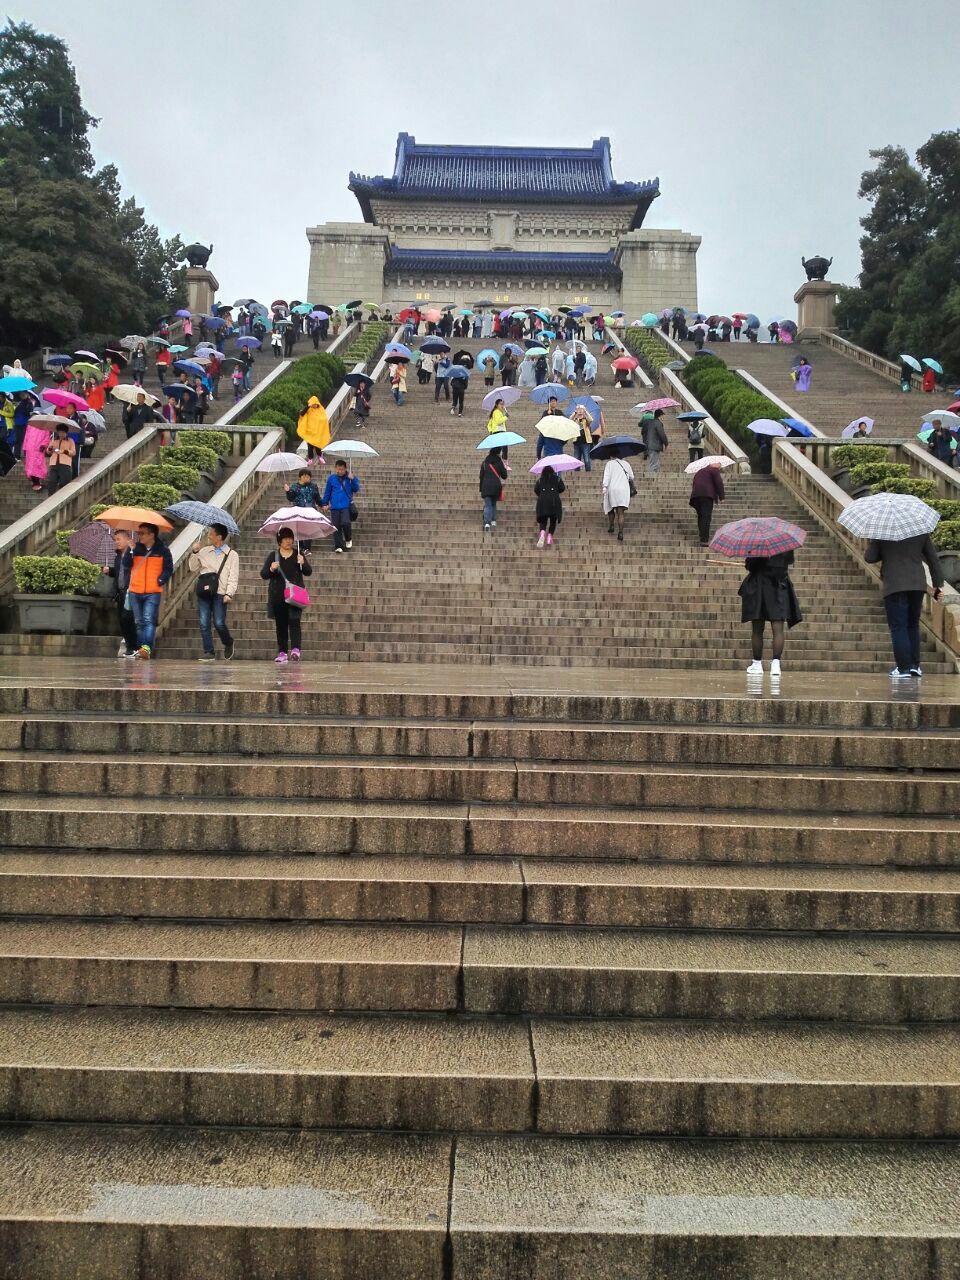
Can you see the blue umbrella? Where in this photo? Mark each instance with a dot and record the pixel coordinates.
(935, 365)
(249, 342)
(178, 390)
(797, 427)
(697, 317)
(618, 447)
(488, 351)
(752, 321)
(501, 440)
(398, 349)
(12, 384)
(434, 346)
(581, 311)
(585, 402)
(541, 394)
(188, 366)
(693, 416)
(213, 322)
(59, 361)
(204, 513)
(459, 371)
(546, 333)
(512, 346)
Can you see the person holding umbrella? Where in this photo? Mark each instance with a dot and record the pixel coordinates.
(282, 568)
(123, 541)
(60, 452)
(149, 567)
(493, 473)
(138, 364)
(618, 488)
(940, 443)
(459, 377)
(548, 487)
(338, 495)
(361, 403)
(707, 489)
(766, 593)
(218, 566)
(442, 378)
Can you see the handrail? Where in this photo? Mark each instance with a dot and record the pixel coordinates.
(242, 405)
(850, 351)
(720, 441)
(788, 410)
(825, 501)
(639, 373)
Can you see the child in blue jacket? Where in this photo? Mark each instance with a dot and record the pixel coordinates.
(305, 493)
(338, 504)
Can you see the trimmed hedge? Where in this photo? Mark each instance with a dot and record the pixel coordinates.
(98, 508)
(155, 496)
(730, 400)
(877, 472)
(55, 575)
(179, 477)
(369, 341)
(857, 455)
(905, 484)
(946, 536)
(281, 404)
(219, 441)
(189, 455)
(649, 347)
(947, 508)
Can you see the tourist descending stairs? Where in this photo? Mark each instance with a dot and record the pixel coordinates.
(423, 583)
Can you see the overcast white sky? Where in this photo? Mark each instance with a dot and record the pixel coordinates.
(239, 124)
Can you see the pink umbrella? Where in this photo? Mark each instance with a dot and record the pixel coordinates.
(559, 462)
(626, 362)
(64, 398)
(431, 315)
(306, 522)
(509, 396)
(714, 460)
(665, 402)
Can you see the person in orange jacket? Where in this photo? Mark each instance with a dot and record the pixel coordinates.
(149, 566)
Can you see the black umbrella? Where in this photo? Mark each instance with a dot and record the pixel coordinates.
(464, 358)
(485, 302)
(324, 306)
(618, 447)
(352, 306)
(358, 380)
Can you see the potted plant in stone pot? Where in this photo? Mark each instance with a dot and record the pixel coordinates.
(847, 456)
(946, 538)
(54, 593)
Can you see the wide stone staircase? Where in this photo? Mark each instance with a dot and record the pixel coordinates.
(424, 584)
(379, 971)
(840, 390)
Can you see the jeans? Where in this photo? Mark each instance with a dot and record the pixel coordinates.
(459, 391)
(903, 619)
(489, 509)
(216, 611)
(441, 384)
(341, 522)
(581, 450)
(696, 452)
(653, 462)
(145, 607)
(398, 395)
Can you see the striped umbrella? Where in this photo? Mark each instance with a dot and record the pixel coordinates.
(757, 536)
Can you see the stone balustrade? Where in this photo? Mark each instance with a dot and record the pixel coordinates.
(867, 359)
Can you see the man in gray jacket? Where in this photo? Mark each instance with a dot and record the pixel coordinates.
(904, 586)
(655, 438)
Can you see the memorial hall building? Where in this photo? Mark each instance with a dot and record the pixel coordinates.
(523, 225)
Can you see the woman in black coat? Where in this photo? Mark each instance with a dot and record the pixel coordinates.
(768, 596)
(284, 565)
(548, 489)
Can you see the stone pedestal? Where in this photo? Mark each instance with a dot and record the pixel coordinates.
(202, 286)
(346, 262)
(659, 270)
(816, 303)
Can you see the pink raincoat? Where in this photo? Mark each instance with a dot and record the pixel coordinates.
(35, 440)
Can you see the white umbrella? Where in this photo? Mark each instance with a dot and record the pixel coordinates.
(767, 427)
(304, 522)
(950, 420)
(95, 421)
(351, 449)
(128, 393)
(555, 427)
(852, 428)
(888, 517)
(714, 460)
(280, 462)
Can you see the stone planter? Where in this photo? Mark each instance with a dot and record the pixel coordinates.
(204, 490)
(950, 564)
(841, 479)
(61, 615)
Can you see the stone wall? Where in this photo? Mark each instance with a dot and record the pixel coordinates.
(659, 270)
(346, 262)
(550, 228)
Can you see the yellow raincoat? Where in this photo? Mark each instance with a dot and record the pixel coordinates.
(313, 425)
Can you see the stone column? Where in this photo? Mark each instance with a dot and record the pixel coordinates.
(816, 303)
(659, 270)
(202, 286)
(346, 262)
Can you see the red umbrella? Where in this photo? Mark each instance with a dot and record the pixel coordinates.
(408, 313)
(740, 315)
(954, 408)
(757, 536)
(626, 362)
(278, 302)
(712, 320)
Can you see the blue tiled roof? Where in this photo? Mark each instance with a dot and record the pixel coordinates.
(516, 174)
(504, 261)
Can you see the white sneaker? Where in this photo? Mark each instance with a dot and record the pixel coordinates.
(122, 651)
(775, 667)
(755, 668)
(542, 539)
(897, 674)
(349, 545)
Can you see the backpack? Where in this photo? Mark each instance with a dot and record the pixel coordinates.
(695, 435)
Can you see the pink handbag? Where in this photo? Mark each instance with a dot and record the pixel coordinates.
(299, 597)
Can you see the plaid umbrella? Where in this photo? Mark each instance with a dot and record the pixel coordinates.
(94, 543)
(757, 536)
(204, 513)
(888, 517)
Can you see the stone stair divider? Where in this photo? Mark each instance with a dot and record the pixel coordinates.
(788, 410)
(241, 490)
(868, 359)
(720, 441)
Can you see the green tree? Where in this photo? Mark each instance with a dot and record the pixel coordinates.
(42, 117)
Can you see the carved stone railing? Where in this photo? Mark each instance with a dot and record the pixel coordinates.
(866, 359)
(824, 500)
(788, 410)
(717, 439)
(639, 373)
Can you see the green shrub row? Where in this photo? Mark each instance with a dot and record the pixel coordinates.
(946, 536)
(648, 346)
(855, 455)
(368, 344)
(190, 455)
(176, 475)
(729, 400)
(55, 575)
(924, 489)
(219, 441)
(947, 508)
(137, 494)
(281, 404)
(876, 472)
